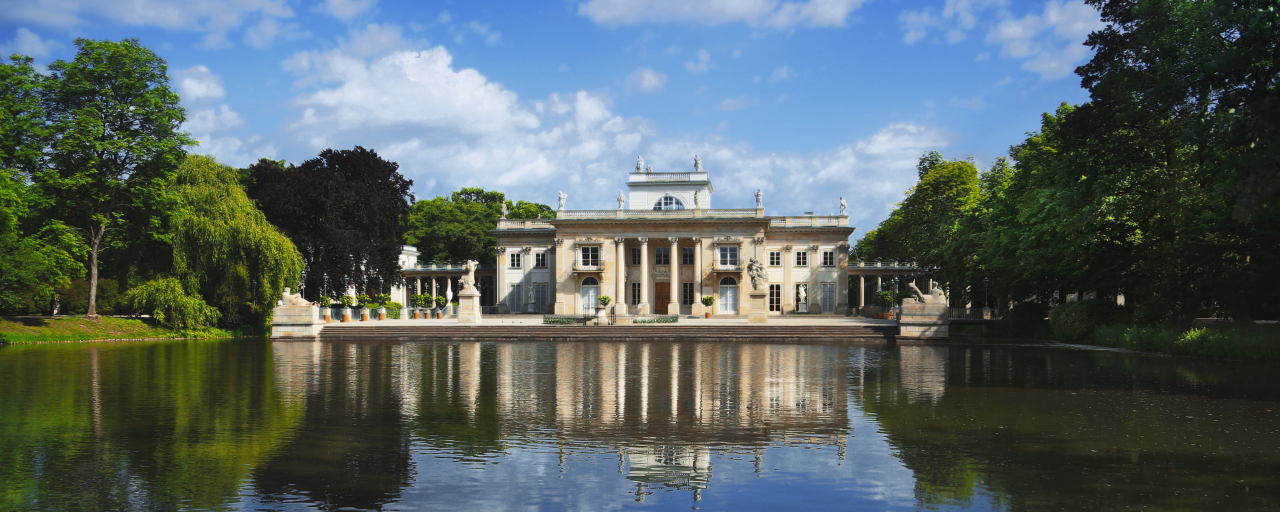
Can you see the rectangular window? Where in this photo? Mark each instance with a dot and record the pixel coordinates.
(802, 259)
(516, 299)
(515, 259)
(828, 258)
(775, 258)
(591, 256)
(828, 297)
(540, 260)
(775, 297)
(662, 256)
(686, 294)
(728, 255)
(686, 255)
(635, 294)
(635, 256)
(540, 297)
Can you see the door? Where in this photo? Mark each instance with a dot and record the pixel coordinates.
(590, 295)
(729, 296)
(828, 298)
(661, 297)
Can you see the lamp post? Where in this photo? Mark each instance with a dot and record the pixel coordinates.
(302, 285)
(324, 289)
(254, 285)
(986, 292)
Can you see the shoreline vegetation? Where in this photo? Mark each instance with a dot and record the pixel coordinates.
(17, 330)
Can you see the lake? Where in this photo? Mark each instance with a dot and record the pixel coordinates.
(259, 425)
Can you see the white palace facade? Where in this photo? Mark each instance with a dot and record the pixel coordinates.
(665, 248)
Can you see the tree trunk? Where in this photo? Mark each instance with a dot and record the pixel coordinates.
(95, 241)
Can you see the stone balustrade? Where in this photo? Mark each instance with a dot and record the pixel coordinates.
(809, 221)
(657, 214)
(524, 224)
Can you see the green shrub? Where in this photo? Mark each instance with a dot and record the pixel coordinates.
(347, 301)
(1075, 321)
(884, 299)
(325, 301)
(669, 319)
(708, 300)
(165, 299)
(393, 309)
(550, 320)
(365, 301)
(441, 301)
(1261, 343)
(605, 300)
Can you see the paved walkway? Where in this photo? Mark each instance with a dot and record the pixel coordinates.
(791, 321)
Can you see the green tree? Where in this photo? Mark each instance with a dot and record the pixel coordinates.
(457, 228)
(37, 255)
(222, 243)
(116, 140)
(922, 225)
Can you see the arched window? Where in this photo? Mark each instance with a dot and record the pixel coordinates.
(729, 295)
(668, 203)
(728, 281)
(590, 281)
(590, 295)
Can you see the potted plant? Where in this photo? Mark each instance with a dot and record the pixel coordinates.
(364, 301)
(440, 302)
(707, 301)
(325, 302)
(454, 307)
(885, 300)
(604, 301)
(347, 302)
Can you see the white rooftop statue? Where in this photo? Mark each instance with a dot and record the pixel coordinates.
(697, 163)
(639, 163)
(842, 205)
(759, 199)
(621, 199)
(562, 198)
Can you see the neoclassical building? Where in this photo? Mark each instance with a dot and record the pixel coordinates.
(665, 248)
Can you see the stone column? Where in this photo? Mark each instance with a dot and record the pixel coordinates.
(620, 276)
(526, 276)
(788, 287)
(673, 308)
(644, 277)
(862, 290)
(500, 282)
(697, 309)
(842, 279)
(879, 285)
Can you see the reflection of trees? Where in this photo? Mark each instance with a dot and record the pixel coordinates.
(1045, 430)
(353, 450)
(139, 425)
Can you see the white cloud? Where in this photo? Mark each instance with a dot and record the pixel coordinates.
(210, 128)
(975, 103)
(491, 37)
(345, 9)
(449, 128)
(212, 17)
(26, 42)
(267, 30)
(755, 13)
(213, 120)
(198, 83)
(703, 63)
(781, 74)
(646, 80)
(1049, 43)
(1004, 81)
(731, 104)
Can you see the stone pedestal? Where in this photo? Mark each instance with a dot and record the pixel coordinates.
(756, 309)
(296, 322)
(921, 320)
(698, 309)
(469, 307)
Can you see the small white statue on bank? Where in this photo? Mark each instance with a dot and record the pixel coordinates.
(292, 299)
(842, 205)
(697, 163)
(804, 293)
(935, 296)
(562, 198)
(639, 164)
(528, 299)
(468, 281)
(759, 198)
(621, 199)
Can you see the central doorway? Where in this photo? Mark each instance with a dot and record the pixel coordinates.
(729, 296)
(590, 295)
(662, 297)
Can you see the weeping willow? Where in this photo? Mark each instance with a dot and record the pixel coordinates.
(224, 248)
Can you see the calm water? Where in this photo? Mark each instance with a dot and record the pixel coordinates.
(597, 426)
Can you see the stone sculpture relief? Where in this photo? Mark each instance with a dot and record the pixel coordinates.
(935, 296)
(696, 202)
(757, 273)
(562, 198)
(292, 299)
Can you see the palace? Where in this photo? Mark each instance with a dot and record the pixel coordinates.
(665, 248)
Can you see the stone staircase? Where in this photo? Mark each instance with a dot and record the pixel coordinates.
(738, 333)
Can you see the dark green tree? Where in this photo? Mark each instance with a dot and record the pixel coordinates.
(115, 141)
(344, 211)
(457, 228)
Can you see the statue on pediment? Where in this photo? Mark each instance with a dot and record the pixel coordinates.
(639, 164)
(757, 273)
(621, 199)
(697, 163)
(562, 198)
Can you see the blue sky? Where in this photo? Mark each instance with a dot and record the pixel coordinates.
(809, 100)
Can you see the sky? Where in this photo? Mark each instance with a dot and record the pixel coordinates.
(808, 100)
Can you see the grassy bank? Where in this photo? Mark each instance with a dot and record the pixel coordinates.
(1261, 343)
(37, 329)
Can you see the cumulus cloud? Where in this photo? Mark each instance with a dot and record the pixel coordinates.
(26, 42)
(701, 65)
(198, 83)
(345, 9)
(955, 19)
(1051, 42)
(212, 17)
(754, 13)
(646, 80)
(269, 29)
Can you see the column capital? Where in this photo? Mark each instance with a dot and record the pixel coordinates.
(502, 250)
(697, 240)
(643, 240)
(813, 248)
(786, 248)
(673, 240)
(619, 241)
(559, 242)
(758, 240)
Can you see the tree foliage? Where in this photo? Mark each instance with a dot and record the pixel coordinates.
(458, 228)
(115, 140)
(345, 211)
(223, 245)
(169, 303)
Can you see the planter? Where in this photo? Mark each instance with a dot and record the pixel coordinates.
(886, 316)
(328, 315)
(346, 314)
(708, 315)
(382, 313)
(364, 314)
(439, 315)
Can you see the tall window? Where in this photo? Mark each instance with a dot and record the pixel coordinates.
(635, 256)
(728, 255)
(686, 255)
(540, 297)
(775, 297)
(662, 256)
(516, 299)
(828, 258)
(635, 294)
(668, 203)
(775, 258)
(686, 294)
(540, 260)
(802, 259)
(516, 259)
(591, 256)
(828, 297)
